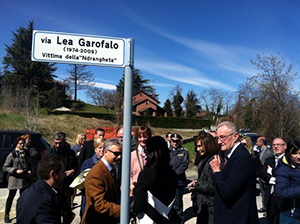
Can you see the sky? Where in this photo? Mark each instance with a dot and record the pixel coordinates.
(194, 44)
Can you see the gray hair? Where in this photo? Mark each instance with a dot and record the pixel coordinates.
(231, 126)
(59, 136)
(111, 142)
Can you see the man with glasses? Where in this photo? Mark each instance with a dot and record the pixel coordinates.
(267, 173)
(235, 198)
(179, 161)
(101, 192)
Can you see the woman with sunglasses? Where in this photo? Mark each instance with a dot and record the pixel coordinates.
(204, 188)
(18, 167)
(287, 185)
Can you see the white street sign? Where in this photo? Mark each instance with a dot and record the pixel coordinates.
(80, 49)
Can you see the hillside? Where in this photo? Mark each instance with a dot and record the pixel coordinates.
(48, 125)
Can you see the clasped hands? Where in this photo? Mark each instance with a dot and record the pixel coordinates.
(215, 164)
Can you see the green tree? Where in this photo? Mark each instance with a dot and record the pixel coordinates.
(168, 107)
(191, 104)
(79, 79)
(139, 84)
(19, 70)
(177, 101)
(248, 116)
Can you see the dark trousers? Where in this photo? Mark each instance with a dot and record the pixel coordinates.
(178, 204)
(262, 191)
(206, 215)
(10, 198)
(273, 209)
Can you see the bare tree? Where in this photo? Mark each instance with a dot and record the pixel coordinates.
(79, 79)
(101, 97)
(53, 97)
(271, 98)
(213, 100)
(23, 101)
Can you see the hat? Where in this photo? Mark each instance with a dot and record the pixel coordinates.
(176, 137)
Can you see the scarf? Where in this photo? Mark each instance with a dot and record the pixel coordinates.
(95, 159)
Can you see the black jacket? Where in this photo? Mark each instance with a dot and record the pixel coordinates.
(235, 196)
(39, 204)
(86, 152)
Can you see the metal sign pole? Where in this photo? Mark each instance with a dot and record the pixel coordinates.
(127, 122)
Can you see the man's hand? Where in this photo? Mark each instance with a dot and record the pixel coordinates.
(19, 171)
(215, 164)
(191, 185)
(69, 172)
(132, 186)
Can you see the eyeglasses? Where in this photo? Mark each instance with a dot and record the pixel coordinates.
(116, 154)
(274, 145)
(223, 137)
(20, 143)
(175, 141)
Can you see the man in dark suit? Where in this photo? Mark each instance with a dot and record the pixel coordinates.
(267, 173)
(88, 150)
(235, 200)
(101, 193)
(62, 150)
(40, 202)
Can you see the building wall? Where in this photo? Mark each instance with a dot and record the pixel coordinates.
(146, 105)
(142, 96)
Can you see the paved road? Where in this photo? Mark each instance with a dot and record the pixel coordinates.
(189, 215)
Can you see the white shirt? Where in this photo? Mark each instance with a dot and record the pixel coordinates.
(109, 167)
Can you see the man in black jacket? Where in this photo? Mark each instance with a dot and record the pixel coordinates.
(88, 150)
(235, 198)
(62, 150)
(267, 173)
(40, 202)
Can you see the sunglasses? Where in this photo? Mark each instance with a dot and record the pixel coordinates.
(116, 154)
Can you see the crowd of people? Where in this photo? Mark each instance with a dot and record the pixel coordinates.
(228, 165)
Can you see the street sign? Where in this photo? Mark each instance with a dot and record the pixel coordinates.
(80, 49)
(94, 50)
